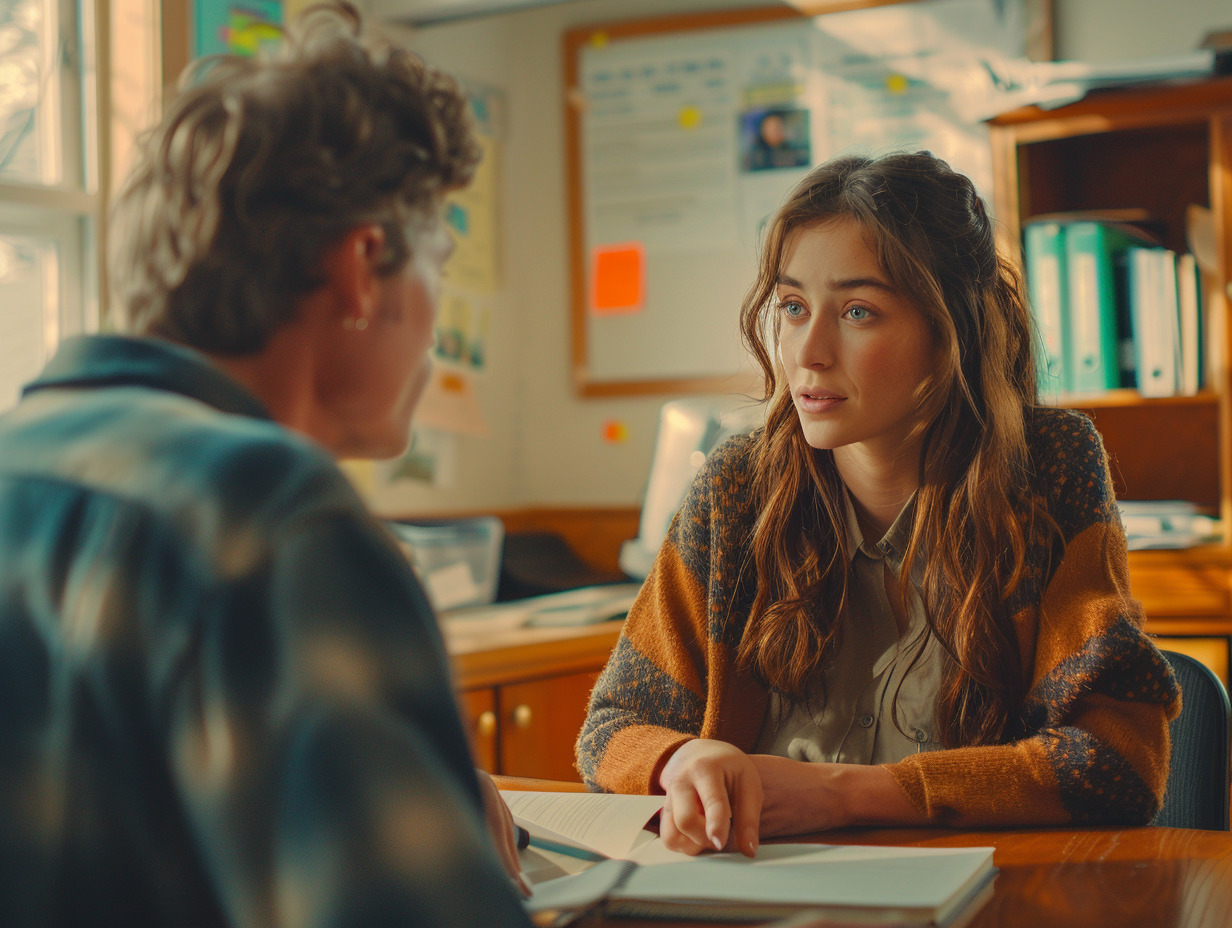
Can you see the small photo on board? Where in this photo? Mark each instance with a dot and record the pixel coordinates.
(774, 138)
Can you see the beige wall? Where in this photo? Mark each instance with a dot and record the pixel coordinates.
(547, 446)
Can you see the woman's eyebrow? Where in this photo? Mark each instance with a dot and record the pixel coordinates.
(841, 283)
(855, 283)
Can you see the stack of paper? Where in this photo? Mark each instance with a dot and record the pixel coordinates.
(1166, 524)
(631, 873)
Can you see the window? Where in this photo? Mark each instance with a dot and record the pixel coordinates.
(50, 204)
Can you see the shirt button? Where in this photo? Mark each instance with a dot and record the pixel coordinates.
(866, 720)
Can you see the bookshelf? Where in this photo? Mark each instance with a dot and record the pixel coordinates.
(1156, 148)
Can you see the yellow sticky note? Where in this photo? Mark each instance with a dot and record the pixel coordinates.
(690, 117)
(598, 39)
(896, 83)
(618, 278)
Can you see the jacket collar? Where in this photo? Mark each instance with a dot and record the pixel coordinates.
(116, 360)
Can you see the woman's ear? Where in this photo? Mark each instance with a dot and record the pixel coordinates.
(351, 275)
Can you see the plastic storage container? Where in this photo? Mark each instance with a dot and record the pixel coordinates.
(457, 560)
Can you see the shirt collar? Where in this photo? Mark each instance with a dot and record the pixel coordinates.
(892, 545)
(118, 360)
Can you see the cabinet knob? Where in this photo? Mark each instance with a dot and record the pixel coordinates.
(522, 716)
(485, 724)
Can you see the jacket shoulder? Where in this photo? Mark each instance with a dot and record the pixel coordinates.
(1070, 469)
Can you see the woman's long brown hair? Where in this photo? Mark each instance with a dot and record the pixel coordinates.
(975, 510)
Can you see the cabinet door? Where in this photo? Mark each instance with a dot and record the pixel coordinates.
(540, 721)
(479, 716)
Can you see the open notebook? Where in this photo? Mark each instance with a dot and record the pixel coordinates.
(611, 863)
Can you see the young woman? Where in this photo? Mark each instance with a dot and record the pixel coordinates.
(905, 599)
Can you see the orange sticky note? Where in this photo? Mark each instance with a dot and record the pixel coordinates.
(615, 431)
(618, 279)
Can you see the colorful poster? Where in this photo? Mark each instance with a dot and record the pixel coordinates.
(236, 27)
(472, 276)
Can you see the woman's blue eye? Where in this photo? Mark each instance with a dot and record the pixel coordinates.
(791, 309)
(859, 313)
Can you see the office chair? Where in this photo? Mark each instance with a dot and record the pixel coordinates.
(1198, 780)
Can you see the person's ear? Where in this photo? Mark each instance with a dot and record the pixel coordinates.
(351, 273)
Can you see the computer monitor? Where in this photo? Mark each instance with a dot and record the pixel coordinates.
(689, 429)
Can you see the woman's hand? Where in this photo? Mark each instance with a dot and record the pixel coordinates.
(801, 797)
(504, 834)
(713, 799)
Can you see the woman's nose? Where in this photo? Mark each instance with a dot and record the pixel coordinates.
(816, 346)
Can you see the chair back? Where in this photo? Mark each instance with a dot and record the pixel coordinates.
(1198, 780)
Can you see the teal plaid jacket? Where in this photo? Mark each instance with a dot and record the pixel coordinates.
(223, 697)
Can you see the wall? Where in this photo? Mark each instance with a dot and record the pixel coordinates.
(1121, 30)
(547, 446)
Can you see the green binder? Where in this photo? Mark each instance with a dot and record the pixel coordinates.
(1044, 256)
(1092, 335)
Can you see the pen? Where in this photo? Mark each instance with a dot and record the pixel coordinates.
(556, 847)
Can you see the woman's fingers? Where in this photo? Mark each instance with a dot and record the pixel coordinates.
(700, 810)
(669, 830)
(715, 807)
(746, 814)
(714, 797)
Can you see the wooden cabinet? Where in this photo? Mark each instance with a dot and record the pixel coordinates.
(524, 691)
(1159, 149)
(479, 715)
(527, 728)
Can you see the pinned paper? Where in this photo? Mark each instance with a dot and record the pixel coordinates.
(470, 215)
(690, 117)
(431, 459)
(362, 474)
(615, 432)
(462, 329)
(618, 279)
(449, 403)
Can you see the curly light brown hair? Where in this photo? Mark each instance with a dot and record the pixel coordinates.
(260, 165)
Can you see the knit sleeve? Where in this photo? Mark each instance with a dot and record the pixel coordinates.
(658, 687)
(1101, 695)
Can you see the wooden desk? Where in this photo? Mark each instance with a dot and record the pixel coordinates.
(1068, 878)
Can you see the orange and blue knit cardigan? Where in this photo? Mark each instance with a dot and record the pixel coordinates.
(1095, 719)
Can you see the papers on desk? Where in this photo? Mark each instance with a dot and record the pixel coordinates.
(585, 606)
(866, 885)
(1166, 524)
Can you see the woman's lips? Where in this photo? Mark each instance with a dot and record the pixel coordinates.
(817, 401)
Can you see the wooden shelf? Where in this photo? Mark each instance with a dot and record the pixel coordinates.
(1157, 149)
(1134, 398)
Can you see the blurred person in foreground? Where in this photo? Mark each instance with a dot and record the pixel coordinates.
(226, 701)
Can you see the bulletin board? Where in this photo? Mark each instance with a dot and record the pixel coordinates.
(684, 133)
